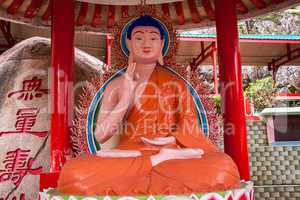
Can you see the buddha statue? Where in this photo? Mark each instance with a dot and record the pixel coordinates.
(161, 150)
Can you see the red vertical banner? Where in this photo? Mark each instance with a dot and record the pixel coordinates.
(230, 69)
(62, 35)
(215, 70)
(109, 39)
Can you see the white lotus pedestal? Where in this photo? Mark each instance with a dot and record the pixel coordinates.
(245, 192)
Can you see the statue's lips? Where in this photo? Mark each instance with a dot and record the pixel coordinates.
(146, 50)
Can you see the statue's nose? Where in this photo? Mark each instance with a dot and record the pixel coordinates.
(147, 42)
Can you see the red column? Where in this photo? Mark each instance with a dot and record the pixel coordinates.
(62, 42)
(109, 39)
(231, 85)
(214, 62)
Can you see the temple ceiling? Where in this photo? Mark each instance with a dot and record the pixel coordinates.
(100, 15)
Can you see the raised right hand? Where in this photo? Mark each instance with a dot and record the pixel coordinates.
(129, 84)
(109, 122)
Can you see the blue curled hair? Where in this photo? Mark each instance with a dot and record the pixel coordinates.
(145, 20)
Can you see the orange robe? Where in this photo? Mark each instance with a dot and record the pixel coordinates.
(165, 108)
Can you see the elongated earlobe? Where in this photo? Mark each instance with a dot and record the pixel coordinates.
(128, 44)
(130, 59)
(161, 59)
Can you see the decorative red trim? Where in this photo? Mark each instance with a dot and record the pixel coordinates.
(124, 10)
(248, 107)
(166, 10)
(82, 13)
(179, 12)
(260, 4)
(204, 54)
(33, 8)
(290, 56)
(97, 16)
(47, 13)
(270, 41)
(111, 16)
(14, 6)
(208, 9)
(48, 180)
(241, 7)
(109, 39)
(285, 94)
(214, 63)
(194, 12)
(211, 39)
(196, 39)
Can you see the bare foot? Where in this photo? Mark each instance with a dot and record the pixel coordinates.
(116, 153)
(185, 153)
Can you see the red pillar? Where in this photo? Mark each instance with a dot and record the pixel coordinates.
(109, 39)
(62, 42)
(214, 62)
(231, 85)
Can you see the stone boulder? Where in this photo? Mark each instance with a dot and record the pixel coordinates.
(288, 79)
(25, 113)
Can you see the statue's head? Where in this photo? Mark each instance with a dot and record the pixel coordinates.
(145, 40)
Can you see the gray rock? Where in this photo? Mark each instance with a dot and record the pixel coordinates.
(288, 79)
(29, 115)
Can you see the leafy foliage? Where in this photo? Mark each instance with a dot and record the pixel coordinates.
(217, 100)
(261, 93)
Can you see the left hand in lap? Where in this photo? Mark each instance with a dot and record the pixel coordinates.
(159, 141)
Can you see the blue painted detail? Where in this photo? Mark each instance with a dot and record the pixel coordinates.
(286, 143)
(124, 36)
(93, 144)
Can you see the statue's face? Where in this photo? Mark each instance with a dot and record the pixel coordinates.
(145, 45)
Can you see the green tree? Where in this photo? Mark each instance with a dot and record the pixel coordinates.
(261, 93)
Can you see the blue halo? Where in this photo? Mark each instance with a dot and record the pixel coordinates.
(124, 36)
